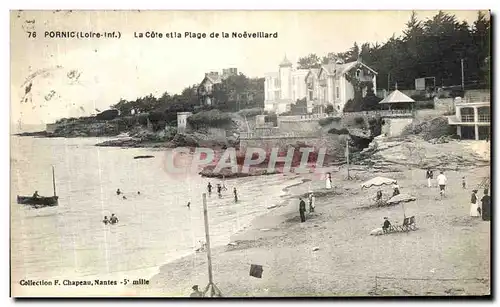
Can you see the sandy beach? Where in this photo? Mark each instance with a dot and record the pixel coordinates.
(332, 253)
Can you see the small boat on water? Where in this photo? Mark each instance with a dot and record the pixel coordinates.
(41, 201)
(143, 157)
(38, 201)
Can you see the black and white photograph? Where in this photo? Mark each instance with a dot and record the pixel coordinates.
(250, 153)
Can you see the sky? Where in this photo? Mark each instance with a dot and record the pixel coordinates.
(107, 69)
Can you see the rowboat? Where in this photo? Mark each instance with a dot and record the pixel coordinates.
(40, 201)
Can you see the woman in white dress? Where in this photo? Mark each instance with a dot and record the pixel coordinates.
(328, 181)
(474, 205)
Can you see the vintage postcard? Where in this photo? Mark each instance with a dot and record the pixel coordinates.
(250, 153)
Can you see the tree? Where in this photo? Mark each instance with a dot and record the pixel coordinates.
(310, 61)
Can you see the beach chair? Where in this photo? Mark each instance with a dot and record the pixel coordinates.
(399, 228)
(412, 225)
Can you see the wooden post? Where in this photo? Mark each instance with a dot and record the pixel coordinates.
(209, 255)
(54, 181)
(347, 157)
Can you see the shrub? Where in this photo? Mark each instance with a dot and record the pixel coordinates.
(358, 120)
(107, 115)
(329, 109)
(325, 121)
(212, 118)
(252, 112)
(271, 118)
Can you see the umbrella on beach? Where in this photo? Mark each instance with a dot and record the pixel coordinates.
(401, 199)
(378, 181)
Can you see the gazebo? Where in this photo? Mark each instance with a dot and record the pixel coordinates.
(396, 97)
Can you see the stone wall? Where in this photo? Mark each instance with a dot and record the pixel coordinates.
(305, 124)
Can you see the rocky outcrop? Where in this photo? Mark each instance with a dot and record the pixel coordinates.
(91, 129)
(415, 152)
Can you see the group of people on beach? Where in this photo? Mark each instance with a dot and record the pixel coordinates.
(475, 210)
(302, 206)
(220, 188)
(483, 211)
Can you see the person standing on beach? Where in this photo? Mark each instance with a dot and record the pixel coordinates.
(486, 206)
(235, 195)
(302, 210)
(429, 175)
(312, 200)
(464, 184)
(442, 180)
(209, 188)
(219, 190)
(328, 181)
(474, 207)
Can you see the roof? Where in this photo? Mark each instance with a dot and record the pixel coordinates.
(340, 69)
(313, 71)
(286, 62)
(213, 77)
(396, 97)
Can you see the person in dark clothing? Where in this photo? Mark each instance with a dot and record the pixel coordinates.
(113, 219)
(302, 210)
(485, 204)
(379, 195)
(387, 224)
(118, 192)
(429, 176)
(35, 195)
(105, 221)
(396, 190)
(189, 204)
(209, 188)
(219, 190)
(235, 195)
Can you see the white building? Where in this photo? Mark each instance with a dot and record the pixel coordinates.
(472, 119)
(284, 88)
(330, 84)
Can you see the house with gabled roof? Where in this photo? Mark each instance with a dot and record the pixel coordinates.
(211, 79)
(333, 85)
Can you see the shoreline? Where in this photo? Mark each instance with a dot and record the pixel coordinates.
(244, 229)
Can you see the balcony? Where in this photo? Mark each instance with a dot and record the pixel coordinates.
(467, 118)
(484, 118)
